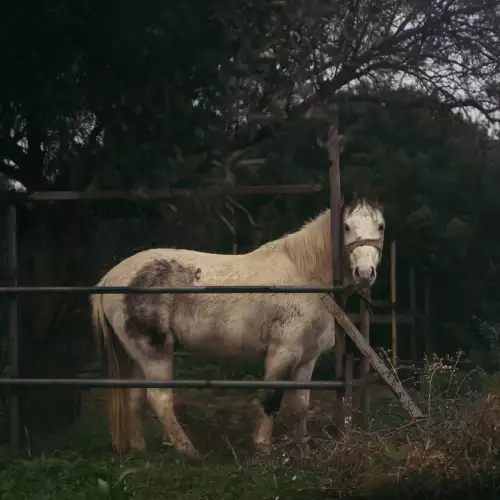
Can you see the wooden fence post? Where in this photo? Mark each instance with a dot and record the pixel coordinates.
(332, 147)
(364, 368)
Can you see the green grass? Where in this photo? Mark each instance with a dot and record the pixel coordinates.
(155, 477)
(452, 455)
(165, 476)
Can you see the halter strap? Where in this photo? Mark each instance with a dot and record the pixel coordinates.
(377, 243)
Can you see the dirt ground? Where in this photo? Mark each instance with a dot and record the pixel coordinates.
(223, 421)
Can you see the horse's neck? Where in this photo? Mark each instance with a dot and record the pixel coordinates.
(310, 249)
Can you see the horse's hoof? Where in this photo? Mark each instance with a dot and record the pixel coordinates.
(137, 450)
(166, 442)
(304, 449)
(189, 451)
(138, 445)
(263, 448)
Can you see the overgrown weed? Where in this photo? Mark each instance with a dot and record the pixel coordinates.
(459, 438)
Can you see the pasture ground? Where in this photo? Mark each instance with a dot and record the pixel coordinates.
(453, 454)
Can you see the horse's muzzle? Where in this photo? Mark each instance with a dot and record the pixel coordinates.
(364, 276)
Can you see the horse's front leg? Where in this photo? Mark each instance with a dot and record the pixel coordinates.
(301, 400)
(278, 367)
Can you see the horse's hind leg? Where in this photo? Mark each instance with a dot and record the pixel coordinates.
(162, 400)
(278, 365)
(136, 397)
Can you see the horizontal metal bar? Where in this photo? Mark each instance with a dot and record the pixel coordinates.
(105, 290)
(161, 194)
(381, 319)
(185, 384)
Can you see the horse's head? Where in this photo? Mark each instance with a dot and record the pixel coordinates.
(364, 227)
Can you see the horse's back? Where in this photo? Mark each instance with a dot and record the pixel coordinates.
(266, 265)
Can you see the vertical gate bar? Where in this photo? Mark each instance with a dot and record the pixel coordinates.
(348, 377)
(413, 326)
(364, 369)
(335, 198)
(235, 232)
(337, 243)
(413, 309)
(429, 344)
(14, 406)
(393, 304)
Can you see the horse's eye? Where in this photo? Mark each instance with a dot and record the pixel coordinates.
(381, 227)
(346, 228)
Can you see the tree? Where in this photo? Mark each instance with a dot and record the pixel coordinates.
(107, 96)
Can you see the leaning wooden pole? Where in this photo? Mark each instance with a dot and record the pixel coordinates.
(378, 365)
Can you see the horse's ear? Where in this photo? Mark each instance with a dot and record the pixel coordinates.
(342, 142)
(342, 206)
(354, 198)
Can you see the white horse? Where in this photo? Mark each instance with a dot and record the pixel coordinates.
(290, 331)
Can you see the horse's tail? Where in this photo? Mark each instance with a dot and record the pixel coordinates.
(118, 362)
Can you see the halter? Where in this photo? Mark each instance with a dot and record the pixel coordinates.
(365, 242)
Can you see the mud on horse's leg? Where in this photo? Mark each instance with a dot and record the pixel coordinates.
(277, 367)
(270, 402)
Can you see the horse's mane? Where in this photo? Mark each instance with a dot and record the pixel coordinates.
(310, 248)
(366, 200)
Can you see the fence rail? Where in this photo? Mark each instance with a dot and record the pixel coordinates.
(174, 384)
(143, 194)
(108, 290)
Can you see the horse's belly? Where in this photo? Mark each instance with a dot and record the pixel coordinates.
(219, 334)
(220, 343)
